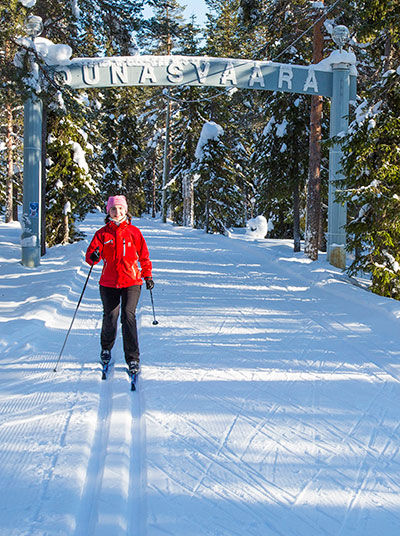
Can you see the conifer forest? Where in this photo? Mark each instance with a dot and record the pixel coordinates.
(142, 141)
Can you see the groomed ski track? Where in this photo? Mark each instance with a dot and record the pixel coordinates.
(268, 403)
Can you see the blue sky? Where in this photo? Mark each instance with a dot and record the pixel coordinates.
(196, 7)
(193, 7)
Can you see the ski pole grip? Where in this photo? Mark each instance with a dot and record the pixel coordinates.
(95, 255)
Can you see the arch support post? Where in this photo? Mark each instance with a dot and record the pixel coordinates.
(337, 212)
(32, 203)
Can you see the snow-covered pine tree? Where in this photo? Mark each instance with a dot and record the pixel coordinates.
(70, 188)
(281, 154)
(11, 153)
(106, 26)
(59, 106)
(372, 163)
(160, 35)
(218, 198)
(152, 125)
(237, 111)
(151, 174)
(90, 28)
(242, 153)
(186, 122)
(251, 11)
(372, 187)
(121, 151)
(281, 160)
(227, 36)
(12, 92)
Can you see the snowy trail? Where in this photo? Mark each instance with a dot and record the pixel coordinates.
(267, 404)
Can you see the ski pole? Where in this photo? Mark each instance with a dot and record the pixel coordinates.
(73, 318)
(155, 322)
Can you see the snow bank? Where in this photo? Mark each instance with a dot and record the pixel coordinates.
(257, 227)
(210, 131)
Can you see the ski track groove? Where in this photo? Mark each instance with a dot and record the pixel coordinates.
(366, 349)
(136, 503)
(222, 445)
(116, 449)
(35, 525)
(223, 497)
(364, 471)
(230, 456)
(87, 515)
(362, 349)
(351, 434)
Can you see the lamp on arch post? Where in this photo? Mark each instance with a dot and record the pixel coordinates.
(31, 216)
(339, 121)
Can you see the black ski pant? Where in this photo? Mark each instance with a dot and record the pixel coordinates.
(113, 300)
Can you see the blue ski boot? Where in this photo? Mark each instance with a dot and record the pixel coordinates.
(105, 358)
(133, 371)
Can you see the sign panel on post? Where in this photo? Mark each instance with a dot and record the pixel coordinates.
(196, 71)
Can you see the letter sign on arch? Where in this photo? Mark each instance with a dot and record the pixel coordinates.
(196, 71)
(335, 80)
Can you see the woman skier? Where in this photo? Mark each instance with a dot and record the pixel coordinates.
(120, 245)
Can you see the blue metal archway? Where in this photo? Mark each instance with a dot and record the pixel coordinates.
(335, 80)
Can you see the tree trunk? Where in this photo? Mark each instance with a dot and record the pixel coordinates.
(187, 182)
(15, 203)
(321, 234)
(65, 228)
(188, 200)
(244, 206)
(166, 166)
(207, 212)
(314, 180)
(314, 173)
(154, 180)
(296, 217)
(17, 187)
(388, 52)
(166, 161)
(10, 164)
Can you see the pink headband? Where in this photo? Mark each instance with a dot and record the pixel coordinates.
(117, 200)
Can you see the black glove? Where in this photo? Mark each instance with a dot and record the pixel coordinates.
(95, 256)
(149, 283)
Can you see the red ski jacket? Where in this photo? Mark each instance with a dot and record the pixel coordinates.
(121, 246)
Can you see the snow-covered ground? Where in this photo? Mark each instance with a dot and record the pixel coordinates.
(268, 404)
